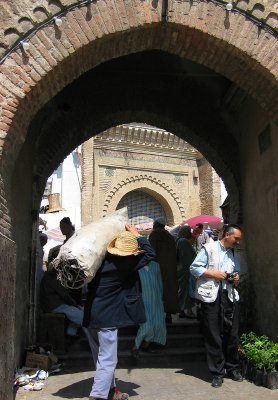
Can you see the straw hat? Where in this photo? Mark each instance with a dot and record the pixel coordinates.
(124, 244)
(54, 203)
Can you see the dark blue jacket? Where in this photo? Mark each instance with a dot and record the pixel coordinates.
(115, 280)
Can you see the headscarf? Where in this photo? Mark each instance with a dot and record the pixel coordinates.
(185, 232)
(159, 223)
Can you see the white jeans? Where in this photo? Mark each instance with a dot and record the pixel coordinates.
(103, 344)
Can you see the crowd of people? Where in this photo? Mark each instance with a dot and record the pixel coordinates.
(143, 282)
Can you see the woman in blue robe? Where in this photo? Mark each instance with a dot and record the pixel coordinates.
(154, 329)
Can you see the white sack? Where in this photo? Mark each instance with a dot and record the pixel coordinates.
(81, 256)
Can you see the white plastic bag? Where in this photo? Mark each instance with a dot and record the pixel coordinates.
(81, 256)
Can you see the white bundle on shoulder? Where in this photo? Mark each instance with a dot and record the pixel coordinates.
(81, 256)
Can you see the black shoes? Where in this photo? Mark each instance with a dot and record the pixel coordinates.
(235, 376)
(217, 381)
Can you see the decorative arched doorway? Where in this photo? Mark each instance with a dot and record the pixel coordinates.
(153, 187)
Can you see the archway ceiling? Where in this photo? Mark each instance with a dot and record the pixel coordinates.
(152, 87)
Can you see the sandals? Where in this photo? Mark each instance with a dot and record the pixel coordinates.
(135, 353)
(147, 347)
(182, 314)
(118, 395)
(190, 315)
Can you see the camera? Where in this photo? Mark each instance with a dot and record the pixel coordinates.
(230, 277)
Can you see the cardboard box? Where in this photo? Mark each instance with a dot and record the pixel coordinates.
(40, 361)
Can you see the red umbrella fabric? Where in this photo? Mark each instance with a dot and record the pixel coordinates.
(211, 220)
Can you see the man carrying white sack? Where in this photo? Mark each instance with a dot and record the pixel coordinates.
(114, 300)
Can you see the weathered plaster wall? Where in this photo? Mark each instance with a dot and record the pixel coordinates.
(260, 209)
(23, 215)
(7, 326)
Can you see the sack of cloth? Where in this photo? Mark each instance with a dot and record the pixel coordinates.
(81, 256)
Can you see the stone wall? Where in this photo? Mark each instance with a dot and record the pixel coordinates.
(87, 182)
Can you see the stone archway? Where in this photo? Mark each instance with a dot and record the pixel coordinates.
(41, 122)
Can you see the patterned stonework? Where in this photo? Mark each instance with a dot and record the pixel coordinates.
(138, 157)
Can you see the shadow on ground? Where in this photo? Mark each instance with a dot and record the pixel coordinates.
(82, 388)
(198, 370)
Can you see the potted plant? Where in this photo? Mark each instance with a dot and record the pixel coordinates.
(259, 356)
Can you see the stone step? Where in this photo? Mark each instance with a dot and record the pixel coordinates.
(184, 343)
(165, 357)
(182, 340)
(185, 325)
(173, 341)
(179, 347)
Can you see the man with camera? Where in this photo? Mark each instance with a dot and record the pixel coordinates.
(216, 270)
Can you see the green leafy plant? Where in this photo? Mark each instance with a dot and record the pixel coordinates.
(260, 351)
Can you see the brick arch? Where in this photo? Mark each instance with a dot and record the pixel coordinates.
(198, 33)
(21, 26)
(165, 195)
